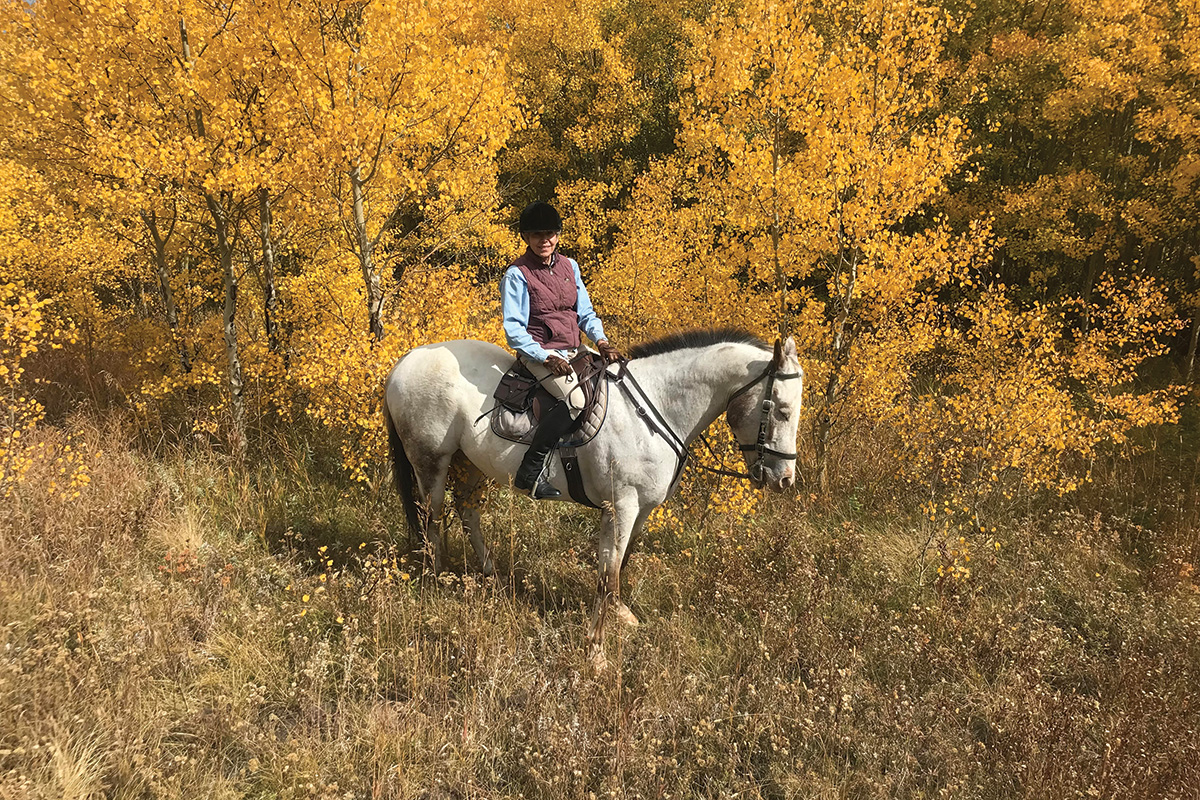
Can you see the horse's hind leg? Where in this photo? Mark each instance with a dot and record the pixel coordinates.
(432, 473)
(470, 493)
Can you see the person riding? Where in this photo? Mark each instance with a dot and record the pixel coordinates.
(545, 306)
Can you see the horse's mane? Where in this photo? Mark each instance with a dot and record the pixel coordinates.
(681, 340)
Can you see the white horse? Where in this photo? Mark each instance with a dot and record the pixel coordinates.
(437, 398)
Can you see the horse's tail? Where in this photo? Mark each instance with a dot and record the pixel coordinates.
(405, 478)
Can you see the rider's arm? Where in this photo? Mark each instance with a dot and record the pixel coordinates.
(589, 323)
(514, 306)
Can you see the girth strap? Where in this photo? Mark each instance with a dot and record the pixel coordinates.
(570, 463)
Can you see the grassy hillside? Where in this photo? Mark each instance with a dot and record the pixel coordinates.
(189, 628)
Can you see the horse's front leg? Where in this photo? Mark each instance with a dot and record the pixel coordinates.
(616, 526)
(623, 543)
(604, 584)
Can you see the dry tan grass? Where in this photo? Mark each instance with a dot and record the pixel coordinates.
(185, 630)
(77, 768)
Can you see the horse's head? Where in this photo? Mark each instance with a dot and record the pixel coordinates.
(764, 417)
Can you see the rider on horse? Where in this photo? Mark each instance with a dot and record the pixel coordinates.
(545, 306)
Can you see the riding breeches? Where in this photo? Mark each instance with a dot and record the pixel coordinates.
(564, 387)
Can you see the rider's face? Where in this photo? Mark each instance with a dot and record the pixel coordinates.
(542, 243)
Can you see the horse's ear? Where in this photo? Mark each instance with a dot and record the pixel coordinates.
(777, 361)
(789, 349)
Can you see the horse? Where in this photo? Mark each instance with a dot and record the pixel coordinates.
(438, 396)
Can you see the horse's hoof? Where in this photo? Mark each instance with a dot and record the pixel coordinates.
(626, 616)
(598, 661)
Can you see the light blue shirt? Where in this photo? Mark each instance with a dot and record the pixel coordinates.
(514, 305)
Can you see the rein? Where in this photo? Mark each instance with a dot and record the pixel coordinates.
(714, 471)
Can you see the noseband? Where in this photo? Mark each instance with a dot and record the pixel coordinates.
(770, 374)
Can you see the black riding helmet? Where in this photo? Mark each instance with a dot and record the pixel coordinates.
(540, 216)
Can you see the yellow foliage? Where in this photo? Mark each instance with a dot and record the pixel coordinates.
(23, 331)
(814, 150)
(336, 372)
(1027, 399)
(811, 133)
(596, 78)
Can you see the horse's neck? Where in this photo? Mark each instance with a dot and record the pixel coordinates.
(691, 387)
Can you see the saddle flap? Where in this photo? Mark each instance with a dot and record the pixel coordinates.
(515, 390)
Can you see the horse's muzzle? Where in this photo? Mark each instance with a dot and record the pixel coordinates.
(763, 478)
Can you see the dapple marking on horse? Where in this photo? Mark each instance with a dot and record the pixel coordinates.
(436, 395)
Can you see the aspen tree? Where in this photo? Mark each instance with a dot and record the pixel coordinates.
(90, 114)
(811, 134)
(402, 105)
(599, 87)
(225, 211)
(133, 115)
(1088, 147)
(270, 290)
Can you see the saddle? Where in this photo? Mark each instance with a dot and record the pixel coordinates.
(521, 401)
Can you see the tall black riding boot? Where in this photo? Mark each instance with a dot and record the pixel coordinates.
(551, 428)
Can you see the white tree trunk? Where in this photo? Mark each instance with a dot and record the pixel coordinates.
(270, 294)
(374, 286)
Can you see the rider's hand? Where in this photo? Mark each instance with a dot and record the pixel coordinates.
(557, 365)
(609, 352)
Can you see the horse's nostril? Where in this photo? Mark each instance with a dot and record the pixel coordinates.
(787, 481)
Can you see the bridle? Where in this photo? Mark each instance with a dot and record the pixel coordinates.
(657, 424)
(770, 374)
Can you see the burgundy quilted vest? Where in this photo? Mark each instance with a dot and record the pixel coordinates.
(553, 322)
